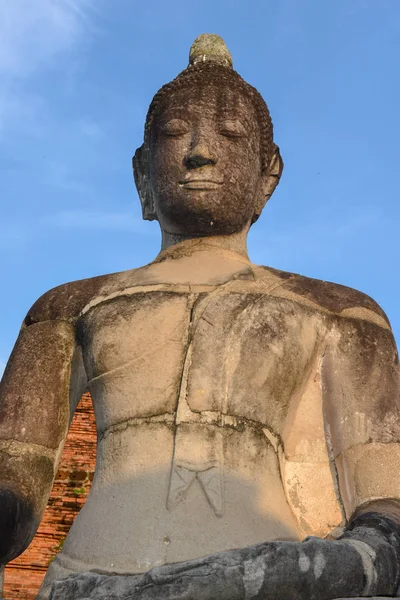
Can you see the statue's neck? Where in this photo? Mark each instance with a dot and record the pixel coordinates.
(174, 243)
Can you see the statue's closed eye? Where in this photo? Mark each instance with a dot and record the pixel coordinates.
(233, 128)
(175, 127)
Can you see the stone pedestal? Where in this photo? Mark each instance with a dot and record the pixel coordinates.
(274, 571)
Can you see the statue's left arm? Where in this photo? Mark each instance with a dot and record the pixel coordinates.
(361, 404)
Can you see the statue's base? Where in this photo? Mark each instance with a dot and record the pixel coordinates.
(88, 586)
(275, 571)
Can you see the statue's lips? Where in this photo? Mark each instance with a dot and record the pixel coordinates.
(200, 184)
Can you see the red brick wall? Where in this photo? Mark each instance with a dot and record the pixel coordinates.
(24, 575)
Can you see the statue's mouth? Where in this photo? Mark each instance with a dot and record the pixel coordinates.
(200, 184)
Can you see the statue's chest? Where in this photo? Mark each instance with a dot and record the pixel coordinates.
(240, 355)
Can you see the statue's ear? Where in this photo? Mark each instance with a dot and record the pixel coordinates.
(271, 180)
(141, 173)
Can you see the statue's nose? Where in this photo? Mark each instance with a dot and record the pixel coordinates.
(199, 157)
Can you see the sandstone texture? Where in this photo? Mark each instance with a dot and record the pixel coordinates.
(236, 406)
(313, 570)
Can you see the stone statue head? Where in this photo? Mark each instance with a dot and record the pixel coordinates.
(208, 163)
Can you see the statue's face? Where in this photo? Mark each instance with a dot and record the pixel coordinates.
(205, 162)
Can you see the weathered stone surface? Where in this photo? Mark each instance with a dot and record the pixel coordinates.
(235, 405)
(362, 562)
(34, 416)
(38, 368)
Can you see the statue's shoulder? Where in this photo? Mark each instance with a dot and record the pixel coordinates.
(66, 301)
(332, 297)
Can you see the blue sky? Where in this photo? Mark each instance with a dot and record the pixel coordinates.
(77, 77)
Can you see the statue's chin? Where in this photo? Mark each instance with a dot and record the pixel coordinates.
(203, 229)
(199, 221)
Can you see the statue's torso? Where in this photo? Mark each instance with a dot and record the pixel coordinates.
(205, 382)
(191, 387)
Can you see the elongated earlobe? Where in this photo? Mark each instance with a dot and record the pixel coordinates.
(271, 179)
(274, 173)
(140, 165)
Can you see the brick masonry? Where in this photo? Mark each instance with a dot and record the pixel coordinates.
(24, 575)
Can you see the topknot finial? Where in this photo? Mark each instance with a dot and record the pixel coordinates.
(210, 47)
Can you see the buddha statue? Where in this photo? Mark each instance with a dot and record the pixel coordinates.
(237, 406)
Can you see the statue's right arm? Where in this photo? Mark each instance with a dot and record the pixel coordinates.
(40, 387)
